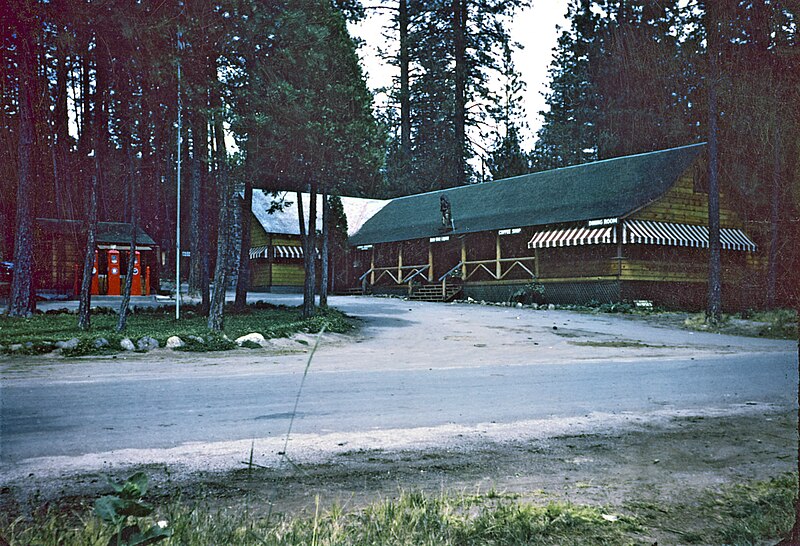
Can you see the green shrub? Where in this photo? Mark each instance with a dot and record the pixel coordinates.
(532, 292)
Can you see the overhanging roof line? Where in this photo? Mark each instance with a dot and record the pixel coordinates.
(603, 189)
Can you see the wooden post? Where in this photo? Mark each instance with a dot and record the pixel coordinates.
(372, 267)
(76, 289)
(400, 263)
(430, 262)
(618, 228)
(464, 258)
(497, 267)
(536, 262)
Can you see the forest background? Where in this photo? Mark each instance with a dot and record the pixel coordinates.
(92, 90)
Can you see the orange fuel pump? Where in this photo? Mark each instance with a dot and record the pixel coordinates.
(113, 273)
(136, 280)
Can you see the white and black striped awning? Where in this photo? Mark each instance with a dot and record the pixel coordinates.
(258, 252)
(573, 237)
(288, 251)
(664, 233)
(278, 251)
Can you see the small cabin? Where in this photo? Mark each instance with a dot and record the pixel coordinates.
(624, 229)
(59, 247)
(276, 248)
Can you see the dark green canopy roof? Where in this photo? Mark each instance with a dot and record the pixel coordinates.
(611, 188)
(107, 232)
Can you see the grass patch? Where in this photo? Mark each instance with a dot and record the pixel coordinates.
(776, 324)
(754, 513)
(413, 518)
(742, 514)
(41, 330)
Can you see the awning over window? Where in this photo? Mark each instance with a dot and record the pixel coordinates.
(664, 233)
(258, 252)
(288, 251)
(279, 251)
(573, 237)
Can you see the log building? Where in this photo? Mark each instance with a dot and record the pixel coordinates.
(59, 247)
(629, 228)
(276, 249)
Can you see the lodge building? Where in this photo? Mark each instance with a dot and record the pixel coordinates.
(629, 228)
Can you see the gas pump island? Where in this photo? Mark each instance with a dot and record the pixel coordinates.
(114, 275)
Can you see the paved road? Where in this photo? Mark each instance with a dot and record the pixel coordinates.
(417, 366)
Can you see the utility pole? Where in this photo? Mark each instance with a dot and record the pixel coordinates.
(178, 207)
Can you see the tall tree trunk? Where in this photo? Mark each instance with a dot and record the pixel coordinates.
(85, 304)
(126, 292)
(405, 89)
(772, 272)
(794, 535)
(307, 238)
(243, 278)
(128, 125)
(23, 303)
(59, 150)
(196, 197)
(459, 116)
(217, 305)
(714, 309)
(85, 137)
(323, 282)
(310, 255)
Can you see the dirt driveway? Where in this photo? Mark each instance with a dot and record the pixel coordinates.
(657, 456)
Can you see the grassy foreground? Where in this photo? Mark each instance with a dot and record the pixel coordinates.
(745, 514)
(271, 321)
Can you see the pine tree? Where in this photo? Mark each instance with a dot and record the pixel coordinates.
(568, 135)
(507, 158)
(26, 27)
(311, 112)
(453, 47)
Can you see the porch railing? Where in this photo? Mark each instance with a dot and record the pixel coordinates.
(398, 275)
(403, 275)
(493, 272)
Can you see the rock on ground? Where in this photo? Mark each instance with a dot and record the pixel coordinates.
(69, 344)
(253, 337)
(173, 342)
(147, 343)
(127, 344)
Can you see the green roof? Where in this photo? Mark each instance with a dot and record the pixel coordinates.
(611, 188)
(107, 232)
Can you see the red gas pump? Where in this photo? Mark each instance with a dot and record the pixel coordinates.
(95, 277)
(113, 273)
(136, 280)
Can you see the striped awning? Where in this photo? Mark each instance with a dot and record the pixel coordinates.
(573, 237)
(279, 251)
(288, 251)
(665, 233)
(258, 252)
